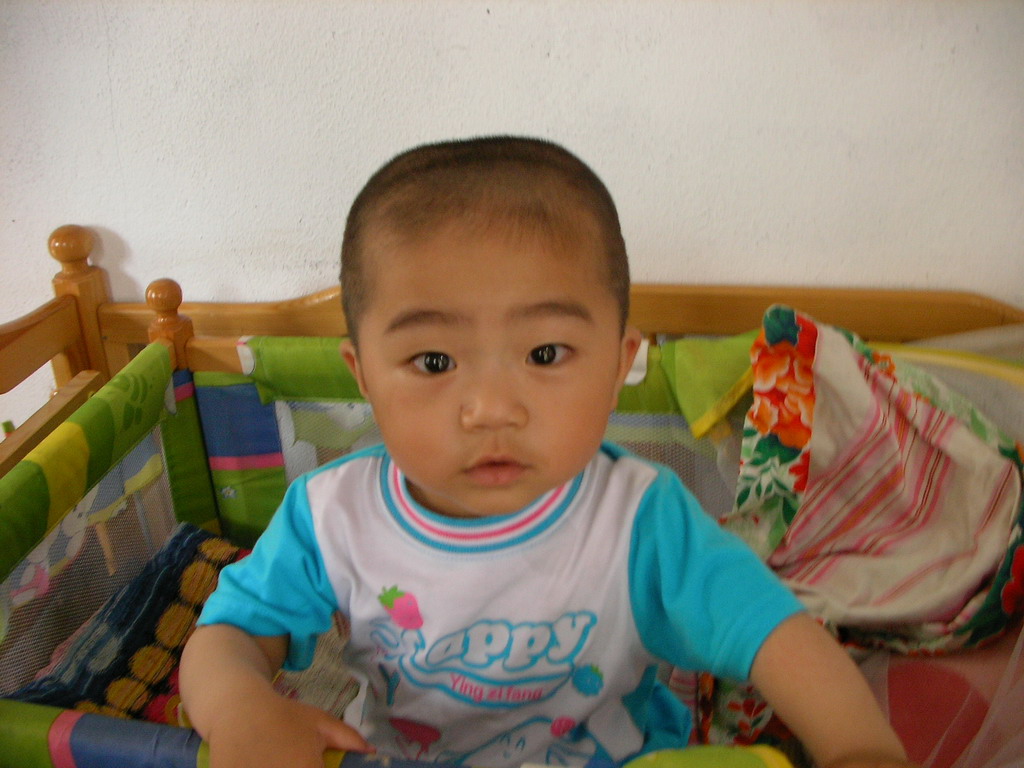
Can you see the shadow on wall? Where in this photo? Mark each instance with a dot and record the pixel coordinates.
(112, 253)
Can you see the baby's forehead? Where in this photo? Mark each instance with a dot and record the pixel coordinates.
(427, 267)
(566, 228)
(576, 250)
(559, 226)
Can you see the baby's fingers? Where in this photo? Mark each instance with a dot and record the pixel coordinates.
(338, 735)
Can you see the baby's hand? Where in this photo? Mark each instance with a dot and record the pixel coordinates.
(278, 733)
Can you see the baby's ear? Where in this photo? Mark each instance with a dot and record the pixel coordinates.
(350, 355)
(631, 339)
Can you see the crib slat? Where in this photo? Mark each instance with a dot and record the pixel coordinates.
(30, 342)
(67, 399)
(874, 314)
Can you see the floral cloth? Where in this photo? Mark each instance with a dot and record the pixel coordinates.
(887, 502)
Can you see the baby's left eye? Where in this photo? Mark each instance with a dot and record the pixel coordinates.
(548, 354)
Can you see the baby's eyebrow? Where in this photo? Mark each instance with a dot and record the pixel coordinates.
(416, 317)
(556, 308)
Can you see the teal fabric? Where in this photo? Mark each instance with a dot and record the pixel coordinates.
(682, 564)
(311, 609)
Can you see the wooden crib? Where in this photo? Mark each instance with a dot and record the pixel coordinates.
(89, 339)
(82, 329)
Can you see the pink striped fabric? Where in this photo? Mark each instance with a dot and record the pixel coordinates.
(906, 514)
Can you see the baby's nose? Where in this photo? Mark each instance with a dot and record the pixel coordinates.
(492, 402)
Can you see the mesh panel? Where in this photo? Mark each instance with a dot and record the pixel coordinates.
(314, 433)
(76, 568)
(666, 438)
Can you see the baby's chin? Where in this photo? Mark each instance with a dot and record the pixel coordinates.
(479, 503)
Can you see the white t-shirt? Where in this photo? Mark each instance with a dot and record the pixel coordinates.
(530, 637)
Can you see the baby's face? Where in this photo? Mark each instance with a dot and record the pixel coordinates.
(492, 364)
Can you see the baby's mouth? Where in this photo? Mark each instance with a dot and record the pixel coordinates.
(495, 471)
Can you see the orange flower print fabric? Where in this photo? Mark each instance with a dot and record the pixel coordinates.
(775, 454)
(783, 359)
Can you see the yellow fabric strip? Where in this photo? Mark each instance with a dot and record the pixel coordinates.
(953, 358)
(150, 471)
(723, 405)
(64, 460)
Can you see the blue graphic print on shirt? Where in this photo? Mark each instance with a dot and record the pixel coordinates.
(576, 747)
(491, 663)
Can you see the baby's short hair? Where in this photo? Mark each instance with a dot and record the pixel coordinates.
(522, 184)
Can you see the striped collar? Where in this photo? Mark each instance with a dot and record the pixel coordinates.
(473, 535)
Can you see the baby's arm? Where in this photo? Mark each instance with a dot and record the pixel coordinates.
(226, 688)
(820, 694)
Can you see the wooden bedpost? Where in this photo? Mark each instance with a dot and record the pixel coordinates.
(71, 245)
(164, 297)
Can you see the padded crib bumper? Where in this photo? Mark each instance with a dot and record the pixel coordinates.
(42, 488)
(37, 736)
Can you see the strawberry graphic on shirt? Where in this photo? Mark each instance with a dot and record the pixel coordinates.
(401, 607)
(414, 733)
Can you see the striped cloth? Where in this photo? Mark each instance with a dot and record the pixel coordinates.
(886, 502)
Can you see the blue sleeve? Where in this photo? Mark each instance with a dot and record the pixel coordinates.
(702, 599)
(282, 587)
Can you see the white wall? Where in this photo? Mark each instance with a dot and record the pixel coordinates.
(220, 142)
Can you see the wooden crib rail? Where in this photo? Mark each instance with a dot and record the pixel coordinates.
(31, 341)
(65, 332)
(881, 315)
(318, 314)
(88, 285)
(54, 412)
(83, 330)
(109, 333)
(876, 314)
(66, 329)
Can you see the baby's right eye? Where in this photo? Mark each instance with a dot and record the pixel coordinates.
(433, 362)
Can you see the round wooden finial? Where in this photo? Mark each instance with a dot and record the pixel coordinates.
(71, 246)
(164, 297)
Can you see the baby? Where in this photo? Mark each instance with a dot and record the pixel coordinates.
(511, 580)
